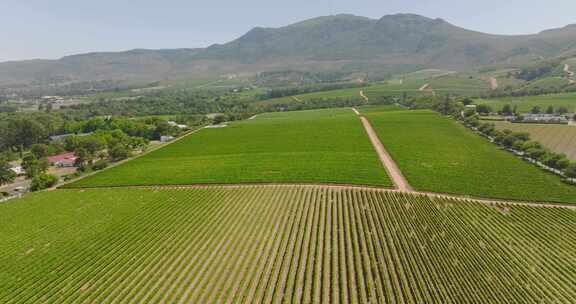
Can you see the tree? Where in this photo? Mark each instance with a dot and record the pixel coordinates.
(483, 109)
(43, 181)
(34, 166)
(550, 110)
(535, 110)
(39, 150)
(571, 170)
(562, 110)
(6, 174)
(119, 152)
(218, 119)
(507, 110)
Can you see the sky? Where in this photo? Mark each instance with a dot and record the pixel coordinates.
(55, 28)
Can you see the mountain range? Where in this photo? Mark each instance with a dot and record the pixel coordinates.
(320, 44)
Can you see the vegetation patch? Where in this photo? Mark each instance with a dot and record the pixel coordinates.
(438, 154)
(324, 146)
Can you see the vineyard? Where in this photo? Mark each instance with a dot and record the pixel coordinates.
(323, 146)
(438, 154)
(558, 138)
(281, 244)
(526, 103)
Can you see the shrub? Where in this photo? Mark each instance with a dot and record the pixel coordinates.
(43, 181)
(99, 165)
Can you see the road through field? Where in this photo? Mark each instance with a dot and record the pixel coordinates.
(394, 172)
(364, 96)
(569, 73)
(493, 83)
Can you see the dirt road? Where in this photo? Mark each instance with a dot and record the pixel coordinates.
(569, 74)
(427, 88)
(493, 83)
(296, 99)
(364, 96)
(400, 183)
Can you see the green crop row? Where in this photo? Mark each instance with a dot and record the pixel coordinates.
(282, 244)
(323, 146)
(438, 154)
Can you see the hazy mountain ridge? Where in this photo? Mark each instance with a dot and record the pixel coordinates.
(323, 42)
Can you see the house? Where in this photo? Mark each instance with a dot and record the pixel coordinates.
(545, 118)
(175, 124)
(18, 170)
(61, 138)
(166, 138)
(63, 160)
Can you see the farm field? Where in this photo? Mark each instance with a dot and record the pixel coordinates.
(525, 104)
(410, 87)
(437, 154)
(558, 138)
(322, 146)
(289, 244)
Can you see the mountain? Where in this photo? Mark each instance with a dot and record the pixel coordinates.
(324, 43)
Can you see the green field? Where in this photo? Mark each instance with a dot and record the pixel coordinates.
(437, 154)
(280, 244)
(558, 138)
(443, 85)
(525, 104)
(324, 146)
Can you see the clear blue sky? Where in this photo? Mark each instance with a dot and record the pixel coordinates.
(54, 28)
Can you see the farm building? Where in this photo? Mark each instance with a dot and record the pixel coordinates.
(545, 118)
(63, 160)
(166, 138)
(175, 124)
(60, 138)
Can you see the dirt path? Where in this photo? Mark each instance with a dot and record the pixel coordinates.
(493, 83)
(296, 99)
(427, 88)
(393, 171)
(569, 74)
(356, 111)
(364, 96)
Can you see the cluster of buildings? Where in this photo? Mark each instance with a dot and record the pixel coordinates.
(545, 118)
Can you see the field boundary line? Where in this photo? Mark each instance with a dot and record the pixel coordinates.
(486, 201)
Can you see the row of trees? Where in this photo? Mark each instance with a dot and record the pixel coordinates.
(520, 143)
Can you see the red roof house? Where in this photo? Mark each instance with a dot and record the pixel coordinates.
(63, 160)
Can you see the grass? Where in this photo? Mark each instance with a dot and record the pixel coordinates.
(525, 104)
(437, 154)
(558, 138)
(280, 244)
(323, 146)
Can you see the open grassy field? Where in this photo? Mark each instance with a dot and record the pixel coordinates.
(323, 146)
(558, 138)
(280, 244)
(437, 154)
(525, 104)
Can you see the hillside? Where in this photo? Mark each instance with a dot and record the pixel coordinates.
(324, 43)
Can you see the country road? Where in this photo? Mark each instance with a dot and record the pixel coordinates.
(364, 96)
(569, 73)
(493, 83)
(394, 172)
